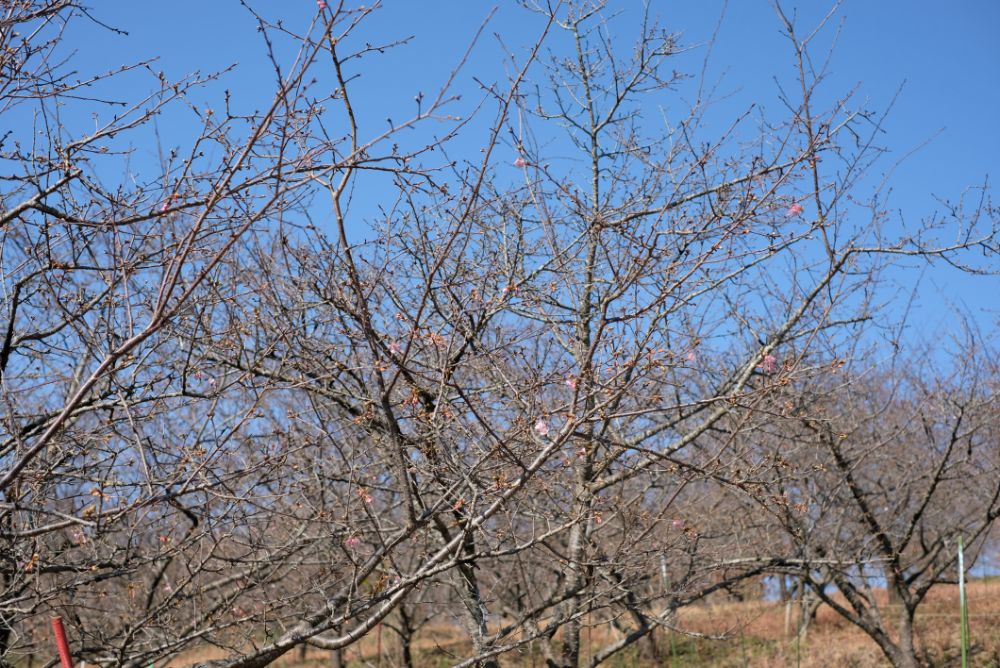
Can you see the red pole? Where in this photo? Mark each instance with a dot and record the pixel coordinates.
(64, 656)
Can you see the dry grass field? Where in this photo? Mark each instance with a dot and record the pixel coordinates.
(754, 637)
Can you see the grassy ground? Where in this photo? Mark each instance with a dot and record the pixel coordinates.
(755, 637)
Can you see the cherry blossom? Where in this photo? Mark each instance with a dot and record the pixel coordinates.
(352, 542)
(166, 203)
(520, 162)
(794, 209)
(542, 427)
(769, 364)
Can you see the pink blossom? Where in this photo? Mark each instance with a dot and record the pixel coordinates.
(769, 364)
(166, 203)
(692, 357)
(395, 348)
(352, 542)
(794, 209)
(571, 383)
(321, 4)
(542, 427)
(520, 162)
(677, 524)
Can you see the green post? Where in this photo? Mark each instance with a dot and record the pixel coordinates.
(963, 609)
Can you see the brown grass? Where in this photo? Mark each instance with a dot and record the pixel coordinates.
(754, 634)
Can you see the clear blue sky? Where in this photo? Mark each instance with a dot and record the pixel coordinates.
(946, 54)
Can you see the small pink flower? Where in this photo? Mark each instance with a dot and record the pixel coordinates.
(520, 162)
(352, 542)
(794, 210)
(769, 364)
(692, 357)
(677, 524)
(166, 203)
(321, 4)
(364, 495)
(571, 383)
(542, 427)
(395, 348)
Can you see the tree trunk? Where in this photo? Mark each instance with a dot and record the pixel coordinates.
(475, 613)
(808, 607)
(569, 654)
(907, 646)
(467, 584)
(902, 658)
(405, 632)
(406, 652)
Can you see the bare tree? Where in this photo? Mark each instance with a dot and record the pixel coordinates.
(244, 409)
(136, 500)
(889, 463)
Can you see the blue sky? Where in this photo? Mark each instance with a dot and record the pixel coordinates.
(944, 55)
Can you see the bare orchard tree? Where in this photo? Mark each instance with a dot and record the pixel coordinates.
(142, 494)
(527, 394)
(889, 463)
(670, 287)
